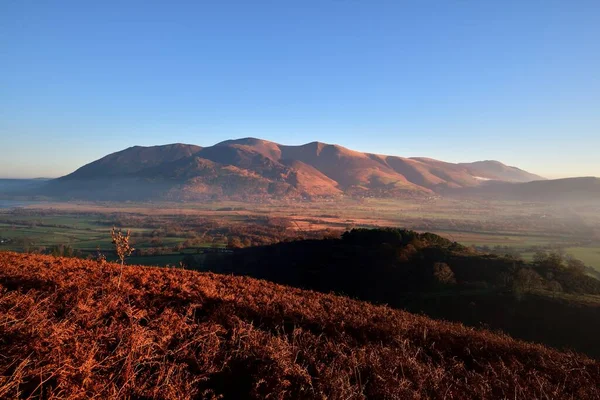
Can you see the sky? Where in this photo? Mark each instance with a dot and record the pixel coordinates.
(457, 80)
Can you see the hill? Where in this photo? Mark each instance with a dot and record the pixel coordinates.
(68, 330)
(134, 159)
(258, 169)
(495, 170)
(556, 190)
(427, 273)
(9, 186)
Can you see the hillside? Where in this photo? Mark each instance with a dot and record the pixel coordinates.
(557, 190)
(67, 330)
(132, 160)
(258, 169)
(427, 273)
(10, 186)
(495, 170)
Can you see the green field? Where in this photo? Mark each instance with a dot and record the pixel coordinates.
(495, 226)
(589, 255)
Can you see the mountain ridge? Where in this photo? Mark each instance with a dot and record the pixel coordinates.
(564, 189)
(252, 168)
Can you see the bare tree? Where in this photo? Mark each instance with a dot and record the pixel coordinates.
(122, 247)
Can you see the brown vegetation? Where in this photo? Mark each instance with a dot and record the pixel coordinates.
(67, 331)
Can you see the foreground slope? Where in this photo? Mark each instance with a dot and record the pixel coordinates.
(68, 330)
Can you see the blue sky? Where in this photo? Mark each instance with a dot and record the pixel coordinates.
(458, 80)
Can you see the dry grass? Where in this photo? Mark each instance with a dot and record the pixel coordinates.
(67, 331)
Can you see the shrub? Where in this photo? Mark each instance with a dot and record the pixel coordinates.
(442, 274)
(122, 246)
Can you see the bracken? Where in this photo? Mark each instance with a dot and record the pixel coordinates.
(68, 331)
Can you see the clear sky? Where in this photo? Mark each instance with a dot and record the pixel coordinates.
(459, 80)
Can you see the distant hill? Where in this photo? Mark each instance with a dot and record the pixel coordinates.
(69, 330)
(258, 169)
(11, 188)
(556, 190)
(15, 184)
(495, 170)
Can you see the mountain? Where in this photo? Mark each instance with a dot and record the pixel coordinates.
(556, 190)
(495, 170)
(252, 168)
(9, 185)
(74, 329)
(132, 160)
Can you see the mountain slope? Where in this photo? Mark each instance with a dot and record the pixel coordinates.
(497, 171)
(132, 160)
(252, 168)
(69, 330)
(568, 189)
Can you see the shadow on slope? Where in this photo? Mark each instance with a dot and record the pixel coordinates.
(427, 273)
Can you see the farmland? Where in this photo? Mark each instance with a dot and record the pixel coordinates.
(497, 227)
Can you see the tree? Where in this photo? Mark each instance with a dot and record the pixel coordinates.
(234, 242)
(178, 247)
(575, 265)
(526, 280)
(156, 241)
(554, 286)
(443, 274)
(64, 250)
(553, 260)
(122, 247)
(539, 257)
(189, 261)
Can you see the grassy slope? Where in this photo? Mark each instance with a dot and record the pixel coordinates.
(66, 330)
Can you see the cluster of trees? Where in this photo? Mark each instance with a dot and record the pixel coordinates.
(430, 274)
(63, 250)
(152, 251)
(380, 264)
(563, 272)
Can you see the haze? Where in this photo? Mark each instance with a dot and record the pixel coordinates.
(458, 81)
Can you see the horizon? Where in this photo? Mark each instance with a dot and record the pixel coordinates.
(286, 144)
(458, 82)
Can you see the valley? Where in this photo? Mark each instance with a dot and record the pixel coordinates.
(493, 226)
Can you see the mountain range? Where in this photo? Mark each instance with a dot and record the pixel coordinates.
(252, 168)
(255, 169)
